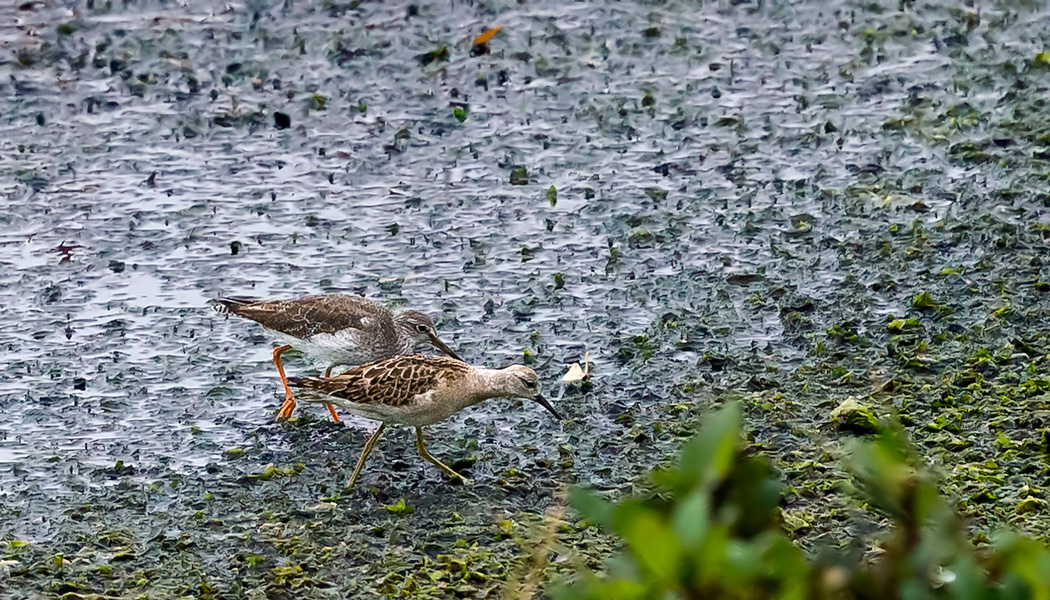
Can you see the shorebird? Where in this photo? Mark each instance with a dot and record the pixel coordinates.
(334, 330)
(418, 391)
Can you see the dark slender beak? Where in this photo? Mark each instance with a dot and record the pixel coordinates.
(441, 346)
(543, 402)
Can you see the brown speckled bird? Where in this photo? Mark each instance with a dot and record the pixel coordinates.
(334, 330)
(418, 391)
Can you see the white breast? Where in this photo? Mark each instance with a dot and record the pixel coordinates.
(329, 349)
(421, 411)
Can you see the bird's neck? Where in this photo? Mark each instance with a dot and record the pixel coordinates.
(482, 384)
(405, 344)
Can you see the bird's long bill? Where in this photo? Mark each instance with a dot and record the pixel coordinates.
(441, 346)
(543, 402)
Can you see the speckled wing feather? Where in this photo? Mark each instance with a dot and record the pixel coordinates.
(393, 382)
(308, 316)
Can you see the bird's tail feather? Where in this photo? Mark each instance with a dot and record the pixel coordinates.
(228, 305)
(315, 388)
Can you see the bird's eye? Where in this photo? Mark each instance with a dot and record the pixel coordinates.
(529, 384)
(421, 328)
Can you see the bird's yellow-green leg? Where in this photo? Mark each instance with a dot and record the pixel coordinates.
(426, 455)
(328, 405)
(369, 446)
(289, 401)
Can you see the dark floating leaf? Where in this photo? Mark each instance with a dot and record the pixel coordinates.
(433, 56)
(481, 43)
(656, 194)
(519, 176)
(281, 120)
(744, 278)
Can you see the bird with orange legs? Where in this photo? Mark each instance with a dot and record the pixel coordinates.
(335, 330)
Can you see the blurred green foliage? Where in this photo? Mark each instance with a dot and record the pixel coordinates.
(712, 529)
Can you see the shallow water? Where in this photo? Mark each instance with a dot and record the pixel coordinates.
(680, 201)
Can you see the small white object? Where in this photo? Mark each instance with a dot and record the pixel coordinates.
(575, 373)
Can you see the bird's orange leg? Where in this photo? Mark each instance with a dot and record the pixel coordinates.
(331, 409)
(289, 402)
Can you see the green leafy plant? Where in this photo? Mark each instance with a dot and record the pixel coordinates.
(712, 529)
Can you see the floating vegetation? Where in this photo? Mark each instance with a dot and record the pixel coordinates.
(519, 176)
